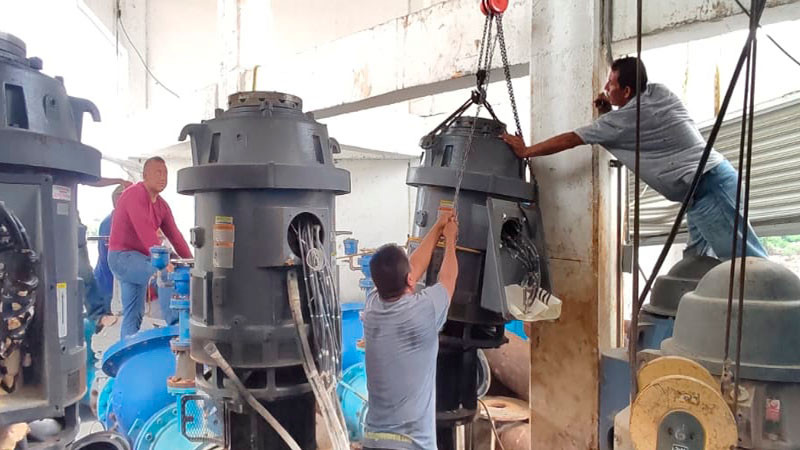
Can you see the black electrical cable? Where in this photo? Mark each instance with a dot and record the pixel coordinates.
(736, 224)
(141, 58)
(761, 4)
(783, 50)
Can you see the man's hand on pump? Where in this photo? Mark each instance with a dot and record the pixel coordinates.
(516, 143)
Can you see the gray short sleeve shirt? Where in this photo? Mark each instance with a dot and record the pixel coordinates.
(401, 345)
(671, 145)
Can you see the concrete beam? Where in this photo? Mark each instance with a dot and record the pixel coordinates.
(675, 21)
(429, 51)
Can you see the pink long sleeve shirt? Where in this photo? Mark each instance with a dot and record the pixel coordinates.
(137, 220)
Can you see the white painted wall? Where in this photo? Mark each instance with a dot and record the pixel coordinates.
(182, 47)
(377, 211)
(301, 25)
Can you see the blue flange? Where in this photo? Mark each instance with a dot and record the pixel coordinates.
(140, 365)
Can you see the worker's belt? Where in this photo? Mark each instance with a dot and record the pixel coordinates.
(384, 436)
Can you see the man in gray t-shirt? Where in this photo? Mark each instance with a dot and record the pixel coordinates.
(670, 150)
(401, 335)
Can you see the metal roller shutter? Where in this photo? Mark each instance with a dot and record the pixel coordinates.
(775, 182)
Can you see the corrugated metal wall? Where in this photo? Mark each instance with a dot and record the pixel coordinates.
(775, 182)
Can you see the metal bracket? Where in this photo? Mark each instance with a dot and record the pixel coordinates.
(211, 426)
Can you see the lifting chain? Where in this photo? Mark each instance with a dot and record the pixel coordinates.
(478, 95)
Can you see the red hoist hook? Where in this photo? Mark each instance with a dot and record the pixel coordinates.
(496, 7)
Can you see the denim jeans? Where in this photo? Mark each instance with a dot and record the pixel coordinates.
(711, 217)
(133, 270)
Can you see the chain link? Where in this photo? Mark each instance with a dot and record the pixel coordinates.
(483, 73)
(507, 71)
(484, 63)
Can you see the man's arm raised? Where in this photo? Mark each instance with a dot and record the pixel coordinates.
(547, 147)
(421, 257)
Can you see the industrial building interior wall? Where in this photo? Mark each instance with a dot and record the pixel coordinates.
(332, 19)
(377, 210)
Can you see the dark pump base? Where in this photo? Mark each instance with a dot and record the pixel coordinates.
(249, 431)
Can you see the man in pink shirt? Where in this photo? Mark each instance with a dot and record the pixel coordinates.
(139, 214)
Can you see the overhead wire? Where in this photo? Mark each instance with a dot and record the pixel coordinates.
(141, 58)
(783, 50)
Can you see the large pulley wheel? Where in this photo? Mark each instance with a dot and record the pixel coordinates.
(677, 411)
(674, 365)
(496, 7)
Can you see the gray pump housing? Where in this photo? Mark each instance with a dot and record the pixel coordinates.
(493, 193)
(257, 168)
(41, 163)
(769, 409)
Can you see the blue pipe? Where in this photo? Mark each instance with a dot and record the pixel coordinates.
(366, 283)
(140, 365)
(136, 400)
(163, 432)
(180, 302)
(352, 392)
(352, 331)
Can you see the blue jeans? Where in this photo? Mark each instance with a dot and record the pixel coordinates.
(133, 270)
(711, 217)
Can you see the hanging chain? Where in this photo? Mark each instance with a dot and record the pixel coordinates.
(482, 73)
(484, 77)
(507, 72)
(478, 97)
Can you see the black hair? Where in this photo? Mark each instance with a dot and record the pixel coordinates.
(626, 74)
(389, 267)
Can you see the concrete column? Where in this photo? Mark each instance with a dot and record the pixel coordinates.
(133, 14)
(567, 69)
